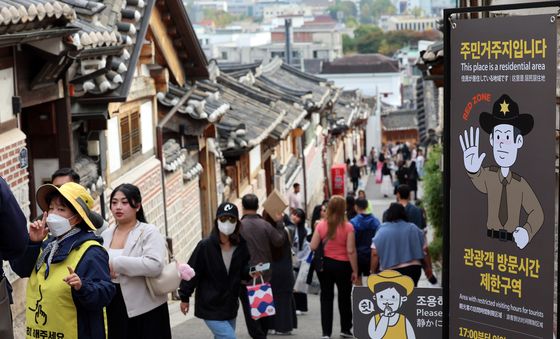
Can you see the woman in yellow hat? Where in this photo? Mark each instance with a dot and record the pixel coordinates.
(390, 290)
(69, 283)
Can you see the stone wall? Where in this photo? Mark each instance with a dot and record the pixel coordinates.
(183, 214)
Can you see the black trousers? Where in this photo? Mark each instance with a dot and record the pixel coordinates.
(301, 301)
(154, 324)
(337, 273)
(355, 182)
(412, 271)
(257, 329)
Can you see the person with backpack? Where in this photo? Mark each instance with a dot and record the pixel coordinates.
(365, 226)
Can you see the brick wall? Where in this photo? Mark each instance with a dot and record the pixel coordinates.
(11, 143)
(183, 214)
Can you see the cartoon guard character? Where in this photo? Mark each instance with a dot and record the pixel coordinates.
(507, 191)
(390, 290)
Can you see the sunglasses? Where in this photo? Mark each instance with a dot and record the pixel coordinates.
(226, 218)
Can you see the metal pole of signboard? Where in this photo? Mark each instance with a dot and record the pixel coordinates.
(446, 161)
(447, 16)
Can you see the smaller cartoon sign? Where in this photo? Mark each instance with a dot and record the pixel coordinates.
(390, 307)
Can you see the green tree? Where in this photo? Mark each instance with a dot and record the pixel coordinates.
(433, 199)
(382, 7)
(368, 39)
(220, 18)
(346, 8)
(348, 44)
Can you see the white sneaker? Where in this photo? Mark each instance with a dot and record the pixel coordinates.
(298, 312)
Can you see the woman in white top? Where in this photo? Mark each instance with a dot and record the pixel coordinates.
(136, 251)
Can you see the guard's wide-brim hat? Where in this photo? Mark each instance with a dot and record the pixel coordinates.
(506, 111)
(391, 276)
(75, 194)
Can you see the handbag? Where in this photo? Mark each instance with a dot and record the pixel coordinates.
(319, 256)
(261, 300)
(6, 330)
(168, 280)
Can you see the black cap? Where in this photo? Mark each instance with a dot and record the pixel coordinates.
(227, 208)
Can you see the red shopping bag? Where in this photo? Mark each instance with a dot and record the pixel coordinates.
(260, 300)
(378, 176)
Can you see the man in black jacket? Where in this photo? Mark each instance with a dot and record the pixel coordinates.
(13, 242)
(260, 236)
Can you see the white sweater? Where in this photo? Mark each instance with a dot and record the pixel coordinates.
(144, 255)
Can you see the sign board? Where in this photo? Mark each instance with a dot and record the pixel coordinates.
(417, 313)
(502, 186)
(338, 177)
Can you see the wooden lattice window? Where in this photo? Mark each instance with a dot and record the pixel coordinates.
(131, 140)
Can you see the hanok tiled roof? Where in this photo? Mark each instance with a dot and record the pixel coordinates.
(251, 119)
(203, 104)
(108, 44)
(288, 101)
(430, 63)
(32, 14)
(23, 21)
(288, 77)
(361, 63)
(88, 170)
(399, 120)
(111, 38)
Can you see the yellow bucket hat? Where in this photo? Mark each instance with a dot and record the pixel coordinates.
(74, 193)
(391, 276)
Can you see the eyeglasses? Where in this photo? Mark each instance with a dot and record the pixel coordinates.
(226, 218)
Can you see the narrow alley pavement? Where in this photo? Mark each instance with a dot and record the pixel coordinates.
(309, 324)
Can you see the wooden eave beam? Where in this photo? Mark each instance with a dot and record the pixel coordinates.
(165, 45)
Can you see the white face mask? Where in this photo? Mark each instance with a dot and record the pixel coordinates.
(58, 225)
(227, 227)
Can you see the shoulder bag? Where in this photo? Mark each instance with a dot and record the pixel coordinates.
(319, 256)
(168, 280)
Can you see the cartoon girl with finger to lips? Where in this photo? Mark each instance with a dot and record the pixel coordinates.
(390, 290)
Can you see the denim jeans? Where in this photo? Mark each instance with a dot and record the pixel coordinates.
(222, 329)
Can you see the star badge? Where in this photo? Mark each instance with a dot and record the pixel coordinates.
(504, 107)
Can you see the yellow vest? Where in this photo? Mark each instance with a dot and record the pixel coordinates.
(398, 331)
(50, 311)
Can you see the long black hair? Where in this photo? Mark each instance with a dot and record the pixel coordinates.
(132, 194)
(300, 227)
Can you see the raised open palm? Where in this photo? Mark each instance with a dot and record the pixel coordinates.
(469, 144)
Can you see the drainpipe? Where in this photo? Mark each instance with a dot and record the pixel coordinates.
(159, 146)
(304, 164)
